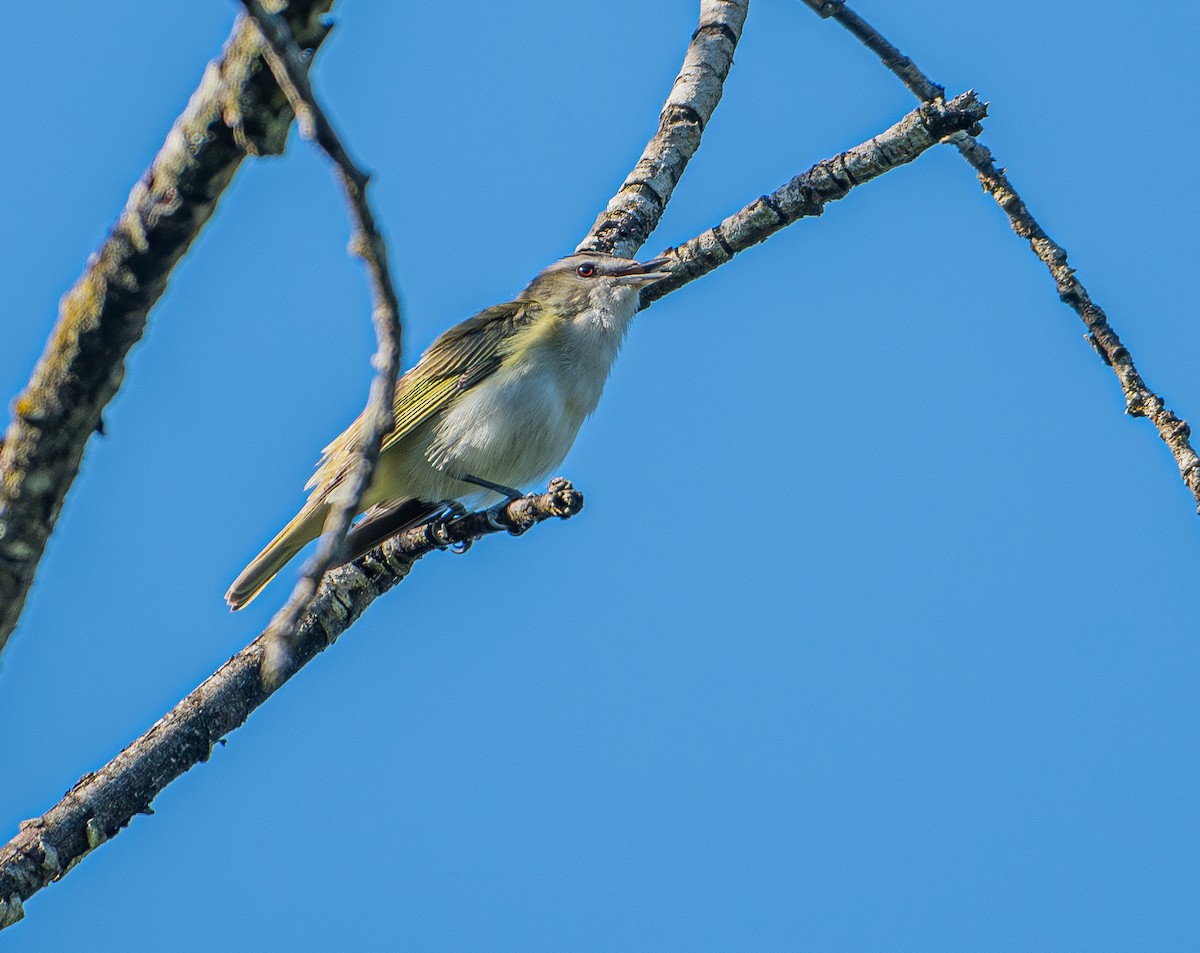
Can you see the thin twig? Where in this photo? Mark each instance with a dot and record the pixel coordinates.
(284, 57)
(236, 110)
(634, 212)
(917, 82)
(1140, 400)
(808, 193)
(103, 802)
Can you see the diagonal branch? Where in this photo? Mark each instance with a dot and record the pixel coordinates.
(236, 110)
(1140, 400)
(103, 802)
(808, 193)
(284, 57)
(634, 212)
(917, 82)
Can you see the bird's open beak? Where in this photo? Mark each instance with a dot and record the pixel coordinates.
(644, 273)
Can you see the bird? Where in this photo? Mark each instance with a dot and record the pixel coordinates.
(495, 403)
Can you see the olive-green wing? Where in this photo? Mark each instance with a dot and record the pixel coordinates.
(455, 362)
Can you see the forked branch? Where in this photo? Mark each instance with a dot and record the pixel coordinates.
(1140, 400)
(634, 212)
(104, 802)
(808, 193)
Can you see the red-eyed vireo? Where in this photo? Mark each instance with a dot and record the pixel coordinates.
(495, 403)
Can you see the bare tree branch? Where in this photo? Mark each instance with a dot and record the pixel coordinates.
(917, 82)
(236, 110)
(284, 57)
(634, 212)
(103, 802)
(808, 193)
(1140, 400)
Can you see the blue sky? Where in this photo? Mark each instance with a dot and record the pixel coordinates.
(878, 628)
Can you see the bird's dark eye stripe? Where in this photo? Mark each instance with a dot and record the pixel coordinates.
(586, 270)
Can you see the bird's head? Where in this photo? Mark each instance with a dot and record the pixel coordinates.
(594, 281)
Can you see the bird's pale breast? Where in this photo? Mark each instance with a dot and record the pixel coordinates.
(518, 425)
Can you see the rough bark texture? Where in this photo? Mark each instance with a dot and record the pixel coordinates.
(103, 802)
(808, 193)
(237, 110)
(634, 212)
(1140, 400)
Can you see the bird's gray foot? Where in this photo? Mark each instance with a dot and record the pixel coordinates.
(435, 527)
(451, 510)
(492, 514)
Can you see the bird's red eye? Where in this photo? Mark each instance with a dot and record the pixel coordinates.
(586, 270)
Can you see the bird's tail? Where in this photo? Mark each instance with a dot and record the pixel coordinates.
(304, 527)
